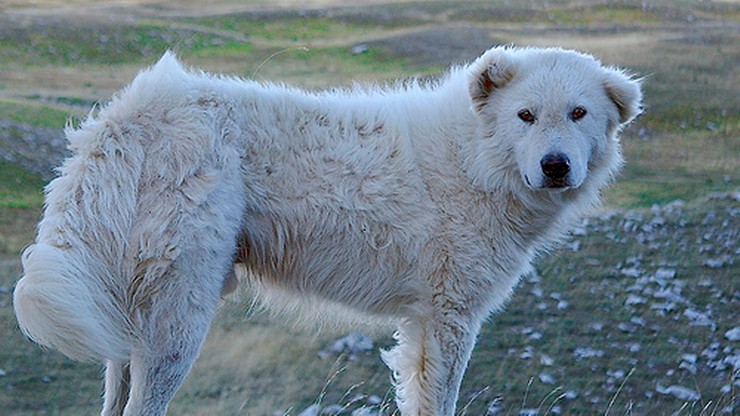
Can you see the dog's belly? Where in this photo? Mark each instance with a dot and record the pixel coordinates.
(362, 265)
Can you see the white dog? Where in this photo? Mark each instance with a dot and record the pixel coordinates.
(420, 203)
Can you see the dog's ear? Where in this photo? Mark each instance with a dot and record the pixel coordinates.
(493, 70)
(625, 92)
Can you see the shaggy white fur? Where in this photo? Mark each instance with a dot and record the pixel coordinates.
(421, 203)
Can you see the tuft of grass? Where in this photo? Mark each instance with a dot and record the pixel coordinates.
(105, 45)
(36, 115)
(290, 28)
(19, 188)
(611, 15)
(684, 164)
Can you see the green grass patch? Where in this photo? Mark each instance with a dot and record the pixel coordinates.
(72, 45)
(19, 188)
(36, 115)
(673, 165)
(289, 29)
(603, 14)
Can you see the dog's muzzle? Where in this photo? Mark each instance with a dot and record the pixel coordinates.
(556, 168)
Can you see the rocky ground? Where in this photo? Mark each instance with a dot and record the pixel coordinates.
(37, 149)
(656, 325)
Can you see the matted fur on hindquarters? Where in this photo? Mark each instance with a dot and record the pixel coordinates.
(59, 304)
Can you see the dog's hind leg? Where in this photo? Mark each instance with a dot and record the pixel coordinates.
(117, 381)
(172, 327)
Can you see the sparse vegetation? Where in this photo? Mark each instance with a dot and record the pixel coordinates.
(636, 302)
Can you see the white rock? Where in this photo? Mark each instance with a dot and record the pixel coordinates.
(312, 410)
(691, 368)
(732, 360)
(631, 272)
(733, 334)
(616, 374)
(679, 392)
(353, 343)
(664, 273)
(366, 411)
(547, 378)
(546, 360)
(494, 407)
(633, 300)
(637, 320)
(714, 263)
(698, 318)
(358, 49)
(689, 358)
(587, 352)
(374, 400)
(332, 410)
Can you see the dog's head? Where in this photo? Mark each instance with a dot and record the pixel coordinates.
(557, 113)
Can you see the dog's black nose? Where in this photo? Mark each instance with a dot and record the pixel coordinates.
(555, 166)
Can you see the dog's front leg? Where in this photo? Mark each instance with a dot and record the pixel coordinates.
(430, 360)
(117, 383)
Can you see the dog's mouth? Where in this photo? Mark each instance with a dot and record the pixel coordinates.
(549, 184)
(556, 184)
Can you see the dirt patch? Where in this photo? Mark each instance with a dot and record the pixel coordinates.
(438, 46)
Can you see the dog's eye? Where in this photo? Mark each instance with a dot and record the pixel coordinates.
(526, 116)
(578, 113)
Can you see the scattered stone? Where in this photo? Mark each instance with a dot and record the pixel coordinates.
(587, 352)
(3, 373)
(697, 318)
(547, 378)
(733, 334)
(638, 321)
(664, 274)
(627, 327)
(352, 344)
(679, 392)
(546, 360)
(615, 374)
(597, 326)
(494, 407)
(333, 410)
(374, 400)
(360, 49)
(528, 353)
(732, 361)
(312, 410)
(570, 395)
(631, 272)
(714, 263)
(366, 411)
(688, 363)
(633, 300)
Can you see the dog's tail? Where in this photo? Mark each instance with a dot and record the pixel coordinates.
(58, 305)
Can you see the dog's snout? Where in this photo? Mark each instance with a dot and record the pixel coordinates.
(555, 166)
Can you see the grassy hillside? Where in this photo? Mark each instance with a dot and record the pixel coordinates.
(633, 309)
